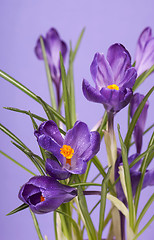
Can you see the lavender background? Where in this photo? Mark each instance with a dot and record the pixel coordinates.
(21, 22)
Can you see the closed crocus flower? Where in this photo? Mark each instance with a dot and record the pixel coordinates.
(45, 194)
(144, 56)
(135, 175)
(53, 46)
(72, 152)
(139, 127)
(114, 78)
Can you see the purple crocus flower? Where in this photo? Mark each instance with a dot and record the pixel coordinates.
(45, 194)
(72, 152)
(53, 46)
(139, 127)
(114, 78)
(135, 175)
(144, 55)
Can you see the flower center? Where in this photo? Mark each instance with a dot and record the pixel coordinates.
(113, 86)
(42, 198)
(67, 152)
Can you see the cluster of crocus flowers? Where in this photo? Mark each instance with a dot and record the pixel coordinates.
(144, 56)
(71, 154)
(114, 78)
(53, 46)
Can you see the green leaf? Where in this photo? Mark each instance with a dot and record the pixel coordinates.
(143, 168)
(78, 44)
(127, 180)
(10, 134)
(26, 112)
(103, 125)
(29, 93)
(39, 165)
(75, 225)
(88, 222)
(18, 209)
(36, 225)
(20, 165)
(47, 110)
(142, 77)
(100, 168)
(50, 82)
(135, 118)
(144, 210)
(144, 228)
(65, 94)
(103, 204)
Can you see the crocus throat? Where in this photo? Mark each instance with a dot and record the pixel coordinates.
(113, 86)
(67, 152)
(42, 198)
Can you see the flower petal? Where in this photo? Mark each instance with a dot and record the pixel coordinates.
(119, 60)
(101, 71)
(90, 93)
(54, 169)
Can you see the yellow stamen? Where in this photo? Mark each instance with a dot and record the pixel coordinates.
(42, 198)
(113, 86)
(67, 152)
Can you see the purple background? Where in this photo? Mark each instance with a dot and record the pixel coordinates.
(21, 22)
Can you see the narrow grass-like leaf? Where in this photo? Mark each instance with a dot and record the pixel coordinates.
(103, 125)
(70, 86)
(88, 222)
(78, 44)
(50, 82)
(85, 184)
(65, 94)
(18, 209)
(127, 180)
(29, 154)
(100, 168)
(75, 225)
(144, 210)
(103, 204)
(147, 130)
(10, 134)
(142, 77)
(29, 93)
(26, 112)
(55, 225)
(144, 228)
(143, 168)
(20, 165)
(135, 118)
(36, 226)
(49, 113)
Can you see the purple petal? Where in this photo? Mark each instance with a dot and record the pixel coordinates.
(129, 78)
(50, 129)
(78, 166)
(54, 169)
(78, 138)
(144, 37)
(38, 49)
(101, 71)
(140, 125)
(148, 178)
(53, 192)
(90, 93)
(119, 60)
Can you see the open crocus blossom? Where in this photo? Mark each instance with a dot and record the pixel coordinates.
(45, 194)
(72, 152)
(135, 175)
(144, 56)
(139, 127)
(53, 46)
(114, 78)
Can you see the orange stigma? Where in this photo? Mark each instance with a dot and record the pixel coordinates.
(42, 198)
(67, 152)
(113, 86)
